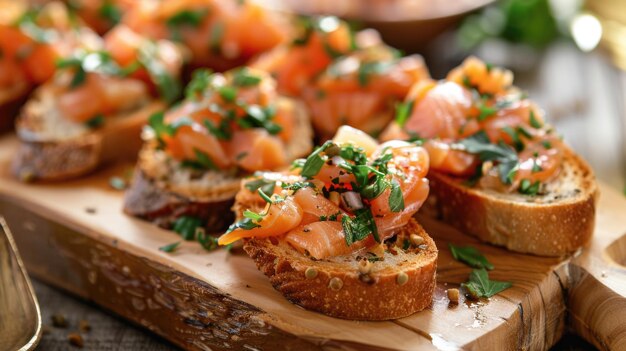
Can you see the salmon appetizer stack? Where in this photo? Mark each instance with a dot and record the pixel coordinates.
(31, 40)
(220, 34)
(229, 126)
(345, 78)
(93, 108)
(337, 234)
(498, 170)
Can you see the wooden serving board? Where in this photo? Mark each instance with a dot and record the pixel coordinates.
(75, 236)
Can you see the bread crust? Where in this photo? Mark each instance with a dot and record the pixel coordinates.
(379, 296)
(144, 199)
(10, 102)
(62, 159)
(556, 227)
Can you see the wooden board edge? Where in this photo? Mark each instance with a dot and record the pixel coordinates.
(183, 309)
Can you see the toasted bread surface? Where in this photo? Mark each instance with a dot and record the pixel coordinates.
(556, 222)
(53, 148)
(399, 285)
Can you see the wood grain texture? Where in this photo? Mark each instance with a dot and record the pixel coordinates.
(74, 235)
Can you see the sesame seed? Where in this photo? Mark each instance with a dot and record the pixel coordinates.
(335, 284)
(453, 296)
(310, 273)
(402, 278)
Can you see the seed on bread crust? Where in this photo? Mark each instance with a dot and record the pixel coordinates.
(365, 266)
(402, 278)
(335, 284)
(310, 273)
(453, 296)
(416, 240)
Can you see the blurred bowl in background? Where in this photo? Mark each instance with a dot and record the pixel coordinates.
(408, 25)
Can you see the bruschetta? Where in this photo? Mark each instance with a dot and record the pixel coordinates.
(337, 235)
(195, 155)
(93, 109)
(498, 170)
(31, 40)
(220, 34)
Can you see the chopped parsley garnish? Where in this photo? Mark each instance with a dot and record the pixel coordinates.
(246, 223)
(110, 12)
(200, 81)
(403, 112)
(217, 34)
(28, 25)
(96, 121)
(243, 78)
(265, 185)
(360, 227)
(314, 162)
(170, 247)
(297, 186)
(479, 284)
(168, 86)
(97, 61)
(546, 144)
(502, 154)
(367, 69)
(470, 256)
(192, 18)
(186, 226)
(534, 122)
(396, 200)
(529, 188)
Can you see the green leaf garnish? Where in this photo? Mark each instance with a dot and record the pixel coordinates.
(246, 224)
(169, 247)
(403, 112)
(506, 158)
(396, 200)
(479, 284)
(471, 256)
(529, 188)
(217, 34)
(96, 121)
(252, 215)
(186, 226)
(534, 122)
(359, 227)
(267, 186)
(110, 12)
(243, 78)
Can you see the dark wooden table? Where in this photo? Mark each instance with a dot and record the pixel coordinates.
(583, 95)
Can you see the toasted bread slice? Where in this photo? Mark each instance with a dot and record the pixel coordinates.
(163, 190)
(401, 283)
(557, 222)
(53, 148)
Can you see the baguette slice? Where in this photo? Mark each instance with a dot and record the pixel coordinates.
(397, 286)
(556, 223)
(53, 148)
(163, 190)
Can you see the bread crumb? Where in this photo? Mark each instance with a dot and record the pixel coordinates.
(84, 326)
(453, 296)
(76, 340)
(59, 321)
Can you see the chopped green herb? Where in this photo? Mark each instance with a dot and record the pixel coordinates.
(207, 241)
(192, 18)
(169, 247)
(200, 81)
(367, 69)
(471, 256)
(479, 284)
(486, 112)
(534, 122)
(186, 226)
(403, 112)
(376, 186)
(96, 121)
(222, 132)
(243, 78)
(252, 215)
(110, 12)
(546, 144)
(228, 93)
(360, 227)
(168, 86)
(217, 34)
(528, 188)
(245, 224)
(202, 162)
(314, 162)
(501, 153)
(267, 186)
(396, 200)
